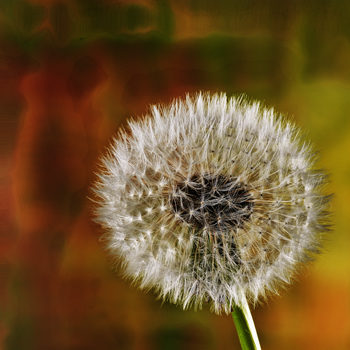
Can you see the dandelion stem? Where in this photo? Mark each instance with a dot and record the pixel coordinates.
(245, 327)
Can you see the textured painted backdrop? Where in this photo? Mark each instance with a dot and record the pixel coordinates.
(71, 73)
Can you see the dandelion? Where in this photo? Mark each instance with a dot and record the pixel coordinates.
(212, 200)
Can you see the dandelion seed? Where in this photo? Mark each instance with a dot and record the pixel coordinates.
(216, 200)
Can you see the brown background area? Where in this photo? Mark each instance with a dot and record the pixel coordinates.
(71, 73)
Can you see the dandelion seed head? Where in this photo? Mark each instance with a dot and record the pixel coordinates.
(212, 200)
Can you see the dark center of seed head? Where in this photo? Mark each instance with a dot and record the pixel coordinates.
(216, 202)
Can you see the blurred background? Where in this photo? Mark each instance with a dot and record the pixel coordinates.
(71, 73)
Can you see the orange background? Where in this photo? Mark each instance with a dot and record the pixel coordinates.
(71, 73)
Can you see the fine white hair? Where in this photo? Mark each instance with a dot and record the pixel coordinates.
(210, 199)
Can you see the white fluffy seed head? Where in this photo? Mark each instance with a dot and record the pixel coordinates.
(211, 200)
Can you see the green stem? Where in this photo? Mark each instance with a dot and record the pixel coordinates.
(245, 327)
